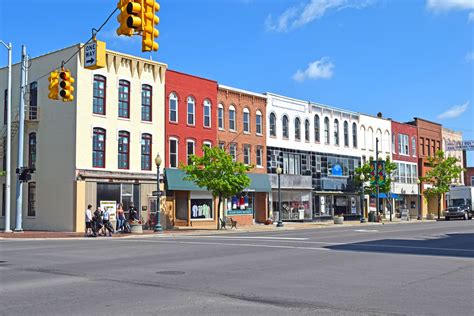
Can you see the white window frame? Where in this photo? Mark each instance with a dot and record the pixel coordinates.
(190, 100)
(246, 113)
(274, 134)
(177, 149)
(207, 104)
(232, 121)
(258, 126)
(207, 143)
(220, 116)
(287, 136)
(233, 151)
(259, 156)
(413, 146)
(403, 145)
(188, 141)
(247, 153)
(173, 96)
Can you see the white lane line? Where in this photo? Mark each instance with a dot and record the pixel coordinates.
(248, 237)
(366, 230)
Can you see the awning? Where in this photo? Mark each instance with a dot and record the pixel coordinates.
(384, 196)
(175, 181)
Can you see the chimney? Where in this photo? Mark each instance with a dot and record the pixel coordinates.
(379, 115)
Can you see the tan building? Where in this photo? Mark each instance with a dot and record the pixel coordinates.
(450, 136)
(99, 148)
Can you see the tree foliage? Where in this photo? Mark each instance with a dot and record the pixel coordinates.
(218, 173)
(371, 189)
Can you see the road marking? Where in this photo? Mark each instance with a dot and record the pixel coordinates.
(366, 230)
(249, 237)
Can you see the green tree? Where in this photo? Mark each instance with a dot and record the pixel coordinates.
(443, 171)
(217, 172)
(371, 189)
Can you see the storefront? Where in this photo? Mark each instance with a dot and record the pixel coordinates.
(330, 204)
(296, 202)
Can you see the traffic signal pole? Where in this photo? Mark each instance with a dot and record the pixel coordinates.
(377, 177)
(21, 134)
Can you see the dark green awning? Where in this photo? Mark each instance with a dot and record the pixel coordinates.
(175, 181)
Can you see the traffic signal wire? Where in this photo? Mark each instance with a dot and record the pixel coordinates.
(63, 63)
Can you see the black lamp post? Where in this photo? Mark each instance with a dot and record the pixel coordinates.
(362, 198)
(420, 211)
(280, 222)
(158, 227)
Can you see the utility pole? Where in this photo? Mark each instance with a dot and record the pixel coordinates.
(377, 176)
(21, 134)
(9, 141)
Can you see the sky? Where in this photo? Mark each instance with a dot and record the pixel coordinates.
(404, 58)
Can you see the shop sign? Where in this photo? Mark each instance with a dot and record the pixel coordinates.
(337, 170)
(201, 208)
(247, 211)
(111, 206)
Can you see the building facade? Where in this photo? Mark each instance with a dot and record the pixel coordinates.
(450, 136)
(98, 149)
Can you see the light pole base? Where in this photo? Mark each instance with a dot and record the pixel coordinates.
(280, 224)
(158, 228)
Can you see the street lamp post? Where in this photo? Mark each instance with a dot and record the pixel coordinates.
(158, 227)
(362, 198)
(280, 222)
(419, 199)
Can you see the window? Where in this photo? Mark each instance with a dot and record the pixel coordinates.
(472, 181)
(233, 151)
(316, 128)
(222, 145)
(346, 134)
(297, 128)
(336, 132)
(123, 150)
(247, 154)
(259, 156)
(189, 150)
(5, 106)
(124, 99)
(33, 111)
(191, 110)
(273, 125)
(146, 102)
(232, 118)
(207, 113)
(98, 102)
(286, 132)
(173, 152)
(394, 145)
(291, 163)
(413, 146)
(98, 147)
(207, 144)
(422, 146)
(173, 108)
(403, 144)
(31, 199)
(246, 121)
(364, 137)
(306, 130)
(32, 150)
(354, 135)
(326, 130)
(146, 151)
(220, 116)
(258, 123)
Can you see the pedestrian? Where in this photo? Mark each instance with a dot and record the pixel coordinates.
(106, 222)
(132, 213)
(98, 221)
(120, 217)
(88, 221)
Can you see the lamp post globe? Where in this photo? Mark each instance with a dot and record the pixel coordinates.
(158, 227)
(280, 222)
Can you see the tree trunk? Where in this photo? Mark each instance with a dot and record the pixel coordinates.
(439, 206)
(219, 211)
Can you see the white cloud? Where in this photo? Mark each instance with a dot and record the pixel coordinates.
(470, 57)
(319, 69)
(470, 17)
(299, 16)
(448, 5)
(454, 111)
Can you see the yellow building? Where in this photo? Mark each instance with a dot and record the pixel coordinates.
(98, 148)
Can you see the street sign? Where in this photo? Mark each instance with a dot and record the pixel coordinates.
(156, 193)
(94, 55)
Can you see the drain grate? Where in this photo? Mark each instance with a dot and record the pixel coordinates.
(171, 272)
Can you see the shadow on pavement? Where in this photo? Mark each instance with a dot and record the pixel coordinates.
(449, 245)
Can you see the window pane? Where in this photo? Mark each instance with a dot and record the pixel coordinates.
(173, 153)
(258, 123)
(146, 102)
(123, 150)
(272, 124)
(99, 95)
(220, 117)
(246, 122)
(124, 99)
(146, 152)
(190, 151)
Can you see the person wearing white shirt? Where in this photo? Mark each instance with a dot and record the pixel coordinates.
(89, 220)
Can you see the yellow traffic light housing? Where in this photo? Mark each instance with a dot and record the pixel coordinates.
(150, 20)
(135, 15)
(122, 18)
(66, 81)
(53, 85)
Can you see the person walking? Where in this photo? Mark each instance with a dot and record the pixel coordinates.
(106, 222)
(120, 217)
(98, 221)
(132, 213)
(88, 221)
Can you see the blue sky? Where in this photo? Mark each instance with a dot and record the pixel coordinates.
(405, 58)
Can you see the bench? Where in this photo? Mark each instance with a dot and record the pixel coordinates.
(228, 221)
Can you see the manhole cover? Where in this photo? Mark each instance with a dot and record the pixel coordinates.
(171, 272)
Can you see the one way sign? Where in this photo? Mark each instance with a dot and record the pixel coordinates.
(94, 55)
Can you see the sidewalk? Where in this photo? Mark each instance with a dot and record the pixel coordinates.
(194, 231)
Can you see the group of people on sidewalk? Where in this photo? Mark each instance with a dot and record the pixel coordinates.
(98, 222)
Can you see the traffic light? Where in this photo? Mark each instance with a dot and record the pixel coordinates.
(66, 81)
(150, 20)
(130, 17)
(53, 85)
(123, 29)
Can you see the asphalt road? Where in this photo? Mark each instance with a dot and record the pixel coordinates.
(414, 269)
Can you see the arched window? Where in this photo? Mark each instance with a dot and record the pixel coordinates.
(207, 113)
(146, 151)
(190, 150)
(173, 152)
(336, 132)
(258, 123)
(306, 130)
(354, 135)
(124, 150)
(370, 138)
(326, 130)
(316, 129)
(232, 118)
(246, 120)
(32, 150)
(98, 148)
(98, 101)
(297, 128)
(191, 110)
(147, 92)
(363, 137)
(273, 125)
(124, 99)
(173, 103)
(286, 132)
(346, 134)
(220, 116)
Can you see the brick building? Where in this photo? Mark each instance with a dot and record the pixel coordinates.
(241, 131)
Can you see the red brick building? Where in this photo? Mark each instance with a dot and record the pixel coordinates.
(190, 111)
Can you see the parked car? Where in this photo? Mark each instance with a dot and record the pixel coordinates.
(462, 211)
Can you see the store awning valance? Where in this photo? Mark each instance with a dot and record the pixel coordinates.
(384, 195)
(259, 183)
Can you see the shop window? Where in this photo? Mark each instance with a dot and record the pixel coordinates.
(146, 152)
(31, 199)
(191, 110)
(207, 113)
(259, 156)
(190, 150)
(173, 143)
(232, 118)
(286, 131)
(126, 193)
(295, 205)
(124, 99)
(33, 110)
(98, 154)
(201, 208)
(241, 204)
(316, 128)
(272, 124)
(246, 121)
(173, 104)
(123, 150)
(247, 154)
(233, 151)
(32, 150)
(99, 95)
(147, 93)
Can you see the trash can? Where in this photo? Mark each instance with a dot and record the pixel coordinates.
(372, 217)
